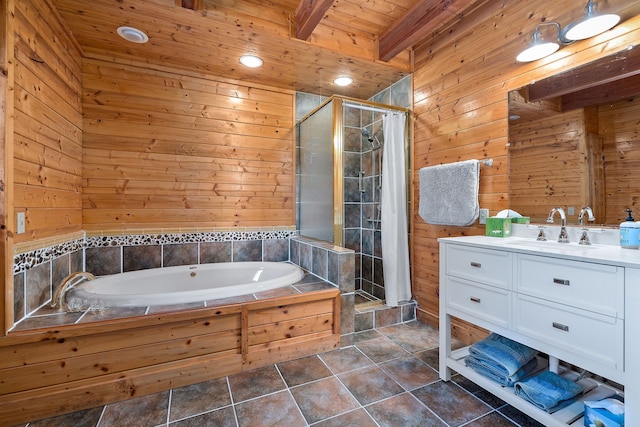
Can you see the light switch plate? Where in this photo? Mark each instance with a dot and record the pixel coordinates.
(482, 217)
(20, 223)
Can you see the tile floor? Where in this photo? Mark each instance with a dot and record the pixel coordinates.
(387, 378)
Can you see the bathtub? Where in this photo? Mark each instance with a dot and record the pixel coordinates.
(186, 284)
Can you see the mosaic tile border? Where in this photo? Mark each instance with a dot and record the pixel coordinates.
(32, 258)
(172, 238)
(26, 260)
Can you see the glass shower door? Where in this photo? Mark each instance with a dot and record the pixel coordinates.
(315, 192)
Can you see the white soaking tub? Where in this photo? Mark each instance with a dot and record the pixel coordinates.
(185, 284)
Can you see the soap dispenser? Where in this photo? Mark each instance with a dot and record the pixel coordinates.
(629, 232)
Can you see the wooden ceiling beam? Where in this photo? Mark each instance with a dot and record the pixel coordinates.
(607, 93)
(423, 18)
(308, 15)
(614, 67)
(196, 5)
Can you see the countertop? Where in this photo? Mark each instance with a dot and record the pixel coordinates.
(525, 242)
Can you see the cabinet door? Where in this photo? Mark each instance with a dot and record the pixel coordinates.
(595, 287)
(486, 266)
(483, 302)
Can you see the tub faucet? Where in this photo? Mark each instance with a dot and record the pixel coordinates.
(66, 285)
(563, 237)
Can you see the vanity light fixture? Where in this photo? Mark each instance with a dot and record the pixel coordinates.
(251, 61)
(342, 81)
(539, 48)
(133, 35)
(592, 24)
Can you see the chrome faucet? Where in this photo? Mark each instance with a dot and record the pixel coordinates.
(66, 285)
(563, 237)
(584, 237)
(589, 212)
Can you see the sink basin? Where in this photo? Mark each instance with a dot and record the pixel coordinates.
(552, 245)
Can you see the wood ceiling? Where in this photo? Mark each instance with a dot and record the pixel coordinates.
(305, 44)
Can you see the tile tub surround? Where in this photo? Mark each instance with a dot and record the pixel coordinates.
(388, 377)
(38, 272)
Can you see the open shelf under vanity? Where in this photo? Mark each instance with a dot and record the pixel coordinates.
(569, 415)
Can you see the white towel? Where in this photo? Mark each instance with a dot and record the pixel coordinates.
(449, 193)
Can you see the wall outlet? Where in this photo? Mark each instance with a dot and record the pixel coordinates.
(482, 218)
(20, 223)
(571, 210)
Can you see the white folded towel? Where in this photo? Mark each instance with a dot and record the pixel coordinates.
(449, 193)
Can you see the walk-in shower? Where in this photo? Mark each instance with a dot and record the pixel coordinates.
(340, 152)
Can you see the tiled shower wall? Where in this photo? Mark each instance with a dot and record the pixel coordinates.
(38, 273)
(362, 197)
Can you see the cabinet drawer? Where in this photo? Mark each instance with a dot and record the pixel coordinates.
(480, 265)
(482, 302)
(588, 335)
(594, 287)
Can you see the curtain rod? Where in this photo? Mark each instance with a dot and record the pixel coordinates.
(365, 107)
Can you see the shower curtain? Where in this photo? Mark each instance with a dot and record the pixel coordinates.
(395, 246)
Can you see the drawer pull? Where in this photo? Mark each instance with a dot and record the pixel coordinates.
(475, 299)
(476, 264)
(561, 326)
(561, 282)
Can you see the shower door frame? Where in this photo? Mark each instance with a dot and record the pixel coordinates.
(337, 137)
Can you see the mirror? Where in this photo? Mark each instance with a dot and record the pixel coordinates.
(574, 141)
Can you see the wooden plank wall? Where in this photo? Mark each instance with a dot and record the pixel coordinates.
(7, 35)
(620, 130)
(48, 123)
(461, 81)
(168, 150)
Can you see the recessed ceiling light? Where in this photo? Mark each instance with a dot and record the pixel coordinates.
(343, 81)
(251, 61)
(133, 35)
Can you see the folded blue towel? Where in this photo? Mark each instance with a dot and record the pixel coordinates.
(500, 351)
(497, 373)
(548, 391)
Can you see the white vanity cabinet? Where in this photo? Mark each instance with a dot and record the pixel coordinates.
(569, 304)
(478, 284)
